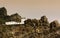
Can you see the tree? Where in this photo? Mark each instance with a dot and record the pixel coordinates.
(15, 17)
(3, 12)
(44, 21)
(54, 25)
(35, 22)
(28, 22)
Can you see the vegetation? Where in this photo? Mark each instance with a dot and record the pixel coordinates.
(32, 28)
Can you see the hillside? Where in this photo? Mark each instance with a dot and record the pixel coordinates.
(32, 28)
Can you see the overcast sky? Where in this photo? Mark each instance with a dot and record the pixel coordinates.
(33, 8)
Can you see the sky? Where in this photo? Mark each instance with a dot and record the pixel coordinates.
(33, 8)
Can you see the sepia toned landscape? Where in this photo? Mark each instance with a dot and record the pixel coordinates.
(32, 28)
